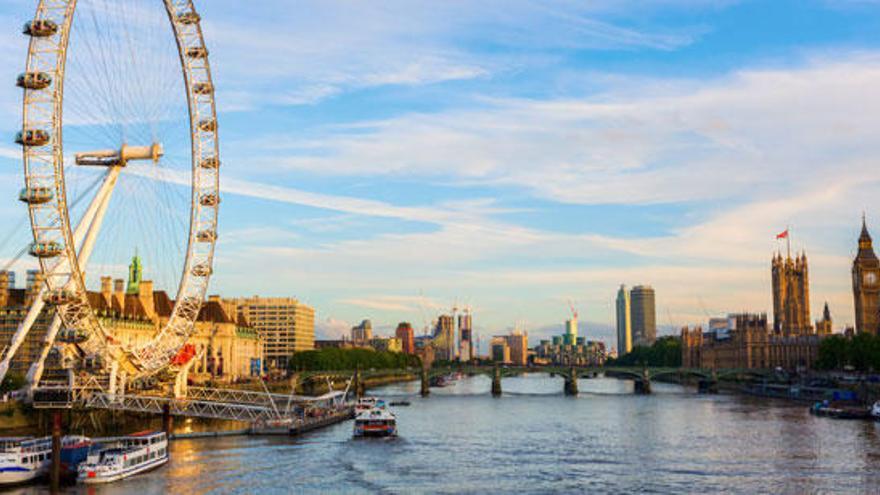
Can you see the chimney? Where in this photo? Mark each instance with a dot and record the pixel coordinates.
(4, 289)
(119, 295)
(107, 291)
(145, 293)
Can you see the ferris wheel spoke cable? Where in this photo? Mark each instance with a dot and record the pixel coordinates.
(122, 88)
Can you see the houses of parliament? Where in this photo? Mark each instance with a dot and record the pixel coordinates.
(791, 340)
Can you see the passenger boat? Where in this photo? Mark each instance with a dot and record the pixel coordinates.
(365, 404)
(837, 411)
(377, 422)
(24, 459)
(121, 457)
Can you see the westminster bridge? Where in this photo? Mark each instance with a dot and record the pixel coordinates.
(642, 377)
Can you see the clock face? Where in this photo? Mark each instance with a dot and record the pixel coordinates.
(870, 278)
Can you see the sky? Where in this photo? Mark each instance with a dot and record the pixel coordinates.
(393, 159)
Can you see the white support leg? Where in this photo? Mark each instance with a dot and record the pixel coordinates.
(84, 254)
(85, 229)
(114, 366)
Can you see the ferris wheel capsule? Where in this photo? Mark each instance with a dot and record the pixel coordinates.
(72, 336)
(34, 80)
(59, 297)
(202, 270)
(40, 28)
(210, 163)
(209, 199)
(48, 249)
(197, 52)
(32, 137)
(188, 18)
(36, 195)
(208, 125)
(203, 88)
(206, 236)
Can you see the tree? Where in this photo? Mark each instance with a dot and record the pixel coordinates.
(12, 381)
(332, 359)
(861, 351)
(664, 352)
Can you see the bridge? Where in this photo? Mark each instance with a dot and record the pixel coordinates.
(708, 379)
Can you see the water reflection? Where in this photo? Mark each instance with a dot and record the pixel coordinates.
(535, 440)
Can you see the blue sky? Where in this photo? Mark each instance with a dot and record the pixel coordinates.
(387, 160)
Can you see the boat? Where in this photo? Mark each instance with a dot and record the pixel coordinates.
(73, 453)
(120, 457)
(23, 459)
(400, 403)
(875, 411)
(839, 411)
(365, 404)
(377, 422)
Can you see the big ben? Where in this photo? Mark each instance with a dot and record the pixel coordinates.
(866, 285)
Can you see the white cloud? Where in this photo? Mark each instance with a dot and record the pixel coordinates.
(752, 133)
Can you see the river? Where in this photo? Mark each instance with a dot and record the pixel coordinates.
(535, 440)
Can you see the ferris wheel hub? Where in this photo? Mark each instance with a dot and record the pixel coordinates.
(120, 157)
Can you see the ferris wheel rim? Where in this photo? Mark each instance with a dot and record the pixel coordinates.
(50, 219)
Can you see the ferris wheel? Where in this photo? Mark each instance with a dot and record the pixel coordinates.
(139, 120)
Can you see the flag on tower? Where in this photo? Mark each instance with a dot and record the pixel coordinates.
(783, 235)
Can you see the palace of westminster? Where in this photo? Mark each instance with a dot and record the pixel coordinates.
(790, 341)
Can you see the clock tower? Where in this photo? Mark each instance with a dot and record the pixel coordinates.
(866, 285)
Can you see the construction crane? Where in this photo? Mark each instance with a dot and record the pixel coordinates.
(574, 312)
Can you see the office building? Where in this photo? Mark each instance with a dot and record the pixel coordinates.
(571, 330)
(362, 334)
(518, 342)
(466, 337)
(624, 322)
(643, 316)
(500, 349)
(285, 326)
(444, 338)
(405, 333)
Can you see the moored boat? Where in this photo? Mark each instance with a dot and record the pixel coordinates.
(121, 457)
(24, 459)
(377, 422)
(838, 411)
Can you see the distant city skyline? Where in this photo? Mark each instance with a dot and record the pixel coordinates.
(514, 155)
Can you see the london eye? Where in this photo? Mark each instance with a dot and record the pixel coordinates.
(120, 153)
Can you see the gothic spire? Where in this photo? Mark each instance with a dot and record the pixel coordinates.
(866, 245)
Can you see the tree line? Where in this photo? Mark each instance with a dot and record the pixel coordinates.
(664, 352)
(333, 359)
(860, 352)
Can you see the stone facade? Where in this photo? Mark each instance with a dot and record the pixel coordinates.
(751, 344)
(229, 348)
(791, 295)
(285, 326)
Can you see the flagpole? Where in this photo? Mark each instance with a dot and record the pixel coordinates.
(788, 239)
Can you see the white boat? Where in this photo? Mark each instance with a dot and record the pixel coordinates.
(24, 459)
(875, 410)
(365, 404)
(377, 422)
(121, 457)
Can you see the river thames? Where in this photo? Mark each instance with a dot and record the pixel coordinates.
(535, 440)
